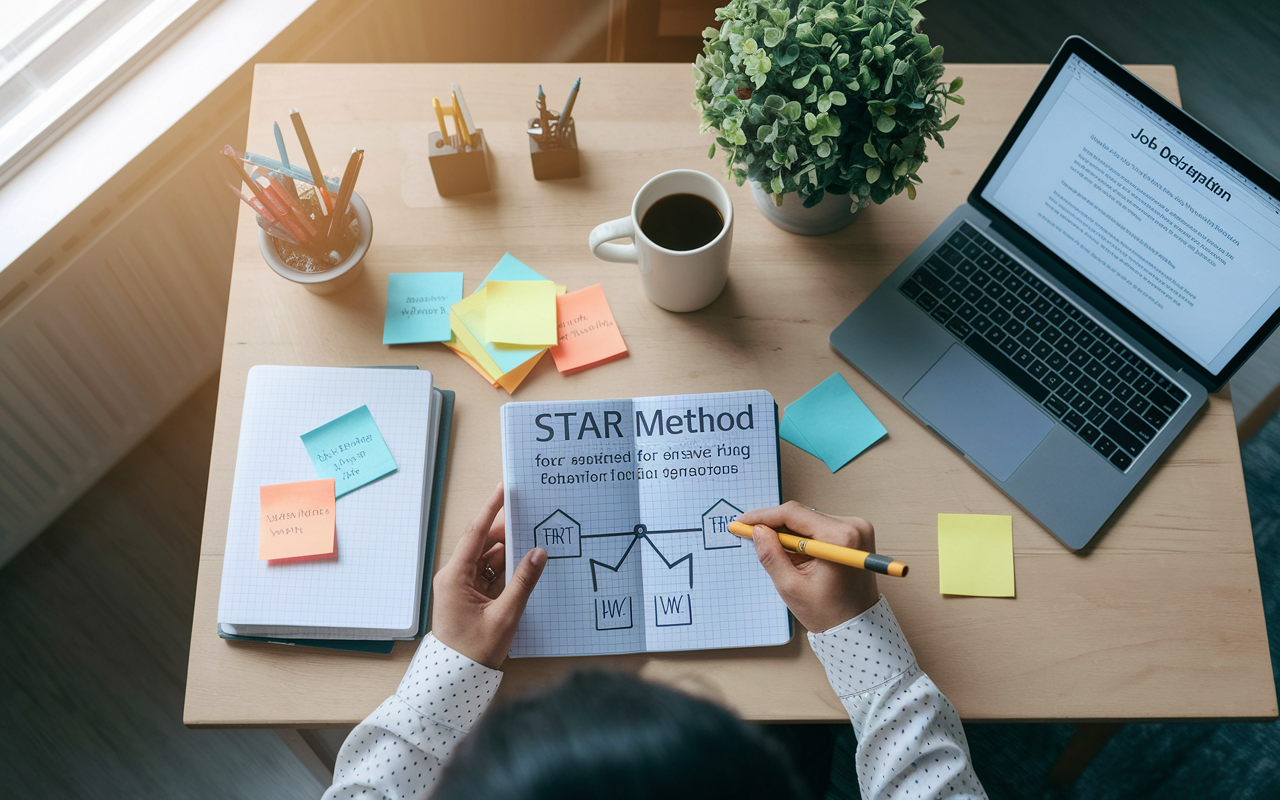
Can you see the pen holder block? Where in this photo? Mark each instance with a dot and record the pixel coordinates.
(459, 168)
(554, 163)
(337, 277)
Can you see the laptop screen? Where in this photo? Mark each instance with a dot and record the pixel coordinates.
(1151, 217)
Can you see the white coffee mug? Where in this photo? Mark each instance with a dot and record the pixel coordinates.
(677, 280)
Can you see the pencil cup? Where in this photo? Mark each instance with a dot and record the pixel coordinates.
(335, 278)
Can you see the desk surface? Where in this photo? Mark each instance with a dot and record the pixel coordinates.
(1161, 619)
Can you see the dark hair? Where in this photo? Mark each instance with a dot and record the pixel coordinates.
(610, 735)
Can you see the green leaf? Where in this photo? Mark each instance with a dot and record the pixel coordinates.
(824, 150)
(776, 184)
(873, 174)
(956, 84)
(789, 56)
(712, 152)
(772, 36)
(911, 191)
(824, 103)
(791, 111)
(870, 150)
(775, 102)
(885, 124)
(837, 98)
(957, 99)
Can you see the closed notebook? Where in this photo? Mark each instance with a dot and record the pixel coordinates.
(372, 588)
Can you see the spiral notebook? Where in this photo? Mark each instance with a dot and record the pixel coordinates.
(375, 590)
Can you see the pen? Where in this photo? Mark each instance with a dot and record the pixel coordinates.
(317, 177)
(563, 119)
(238, 171)
(861, 559)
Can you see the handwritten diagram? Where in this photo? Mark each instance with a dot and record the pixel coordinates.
(563, 538)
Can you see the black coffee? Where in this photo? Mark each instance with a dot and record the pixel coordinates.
(682, 222)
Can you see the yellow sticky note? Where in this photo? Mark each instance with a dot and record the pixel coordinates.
(297, 520)
(975, 555)
(467, 321)
(521, 312)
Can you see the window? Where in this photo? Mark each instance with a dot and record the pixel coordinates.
(58, 58)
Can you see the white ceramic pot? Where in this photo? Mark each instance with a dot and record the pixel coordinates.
(335, 278)
(828, 215)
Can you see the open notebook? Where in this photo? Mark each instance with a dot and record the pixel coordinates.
(373, 591)
(631, 500)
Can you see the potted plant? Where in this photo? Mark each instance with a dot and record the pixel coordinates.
(824, 106)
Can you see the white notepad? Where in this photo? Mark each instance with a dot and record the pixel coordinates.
(372, 590)
(631, 500)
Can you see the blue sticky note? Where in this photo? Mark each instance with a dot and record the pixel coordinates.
(510, 268)
(418, 306)
(789, 431)
(835, 422)
(351, 450)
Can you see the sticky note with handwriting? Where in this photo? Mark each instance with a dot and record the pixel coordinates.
(418, 306)
(588, 335)
(350, 449)
(521, 312)
(297, 519)
(975, 555)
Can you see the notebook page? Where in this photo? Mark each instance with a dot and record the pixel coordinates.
(694, 485)
(589, 598)
(373, 583)
(347, 633)
(633, 523)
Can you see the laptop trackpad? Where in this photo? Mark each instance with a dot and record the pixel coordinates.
(962, 399)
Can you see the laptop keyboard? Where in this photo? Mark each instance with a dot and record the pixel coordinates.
(1077, 372)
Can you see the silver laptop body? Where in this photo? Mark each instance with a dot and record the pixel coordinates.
(1064, 326)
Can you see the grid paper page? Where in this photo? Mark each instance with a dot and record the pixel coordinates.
(632, 513)
(371, 590)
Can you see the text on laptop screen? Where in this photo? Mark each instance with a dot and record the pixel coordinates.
(1152, 218)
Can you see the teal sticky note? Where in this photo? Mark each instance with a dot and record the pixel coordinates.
(510, 268)
(418, 306)
(835, 421)
(350, 449)
(789, 432)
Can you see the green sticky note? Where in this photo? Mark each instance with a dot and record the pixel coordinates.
(835, 421)
(521, 312)
(418, 306)
(975, 555)
(350, 449)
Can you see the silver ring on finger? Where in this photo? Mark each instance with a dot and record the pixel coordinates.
(488, 574)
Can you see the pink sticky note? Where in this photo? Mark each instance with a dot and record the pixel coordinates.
(297, 520)
(588, 335)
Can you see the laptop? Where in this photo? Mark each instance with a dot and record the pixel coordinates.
(1115, 263)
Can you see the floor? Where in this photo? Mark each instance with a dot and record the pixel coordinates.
(95, 617)
(95, 614)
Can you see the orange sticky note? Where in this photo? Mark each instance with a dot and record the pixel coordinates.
(587, 333)
(297, 520)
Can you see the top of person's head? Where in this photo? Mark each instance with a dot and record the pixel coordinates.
(610, 735)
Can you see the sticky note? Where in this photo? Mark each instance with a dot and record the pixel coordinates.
(587, 333)
(520, 312)
(510, 268)
(470, 330)
(832, 422)
(350, 449)
(297, 520)
(975, 555)
(418, 306)
(788, 431)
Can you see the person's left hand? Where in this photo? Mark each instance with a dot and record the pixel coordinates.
(475, 616)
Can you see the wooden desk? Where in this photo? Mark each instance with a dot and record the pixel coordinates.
(1161, 619)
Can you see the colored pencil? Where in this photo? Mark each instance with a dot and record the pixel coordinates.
(284, 159)
(317, 177)
(345, 189)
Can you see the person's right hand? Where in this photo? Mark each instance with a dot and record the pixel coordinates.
(819, 593)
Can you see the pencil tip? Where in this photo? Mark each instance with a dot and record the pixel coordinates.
(293, 111)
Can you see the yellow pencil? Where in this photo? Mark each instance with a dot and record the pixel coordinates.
(830, 552)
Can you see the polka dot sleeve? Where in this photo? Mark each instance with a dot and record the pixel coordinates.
(910, 740)
(398, 750)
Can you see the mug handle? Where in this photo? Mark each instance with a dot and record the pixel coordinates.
(608, 231)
